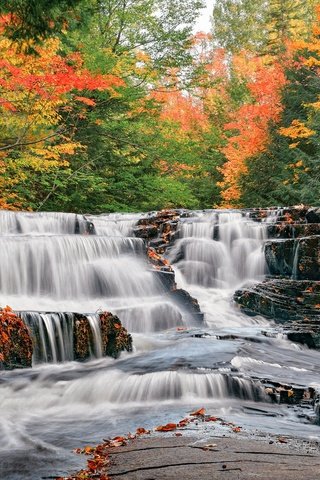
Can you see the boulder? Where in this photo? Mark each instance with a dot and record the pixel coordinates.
(15, 341)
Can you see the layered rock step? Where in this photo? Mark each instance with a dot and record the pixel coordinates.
(34, 337)
(291, 293)
(296, 258)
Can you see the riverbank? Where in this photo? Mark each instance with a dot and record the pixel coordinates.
(203, 445)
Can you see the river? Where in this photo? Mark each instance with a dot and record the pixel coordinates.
(53, 264)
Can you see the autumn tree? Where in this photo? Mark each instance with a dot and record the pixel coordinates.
(292, 156)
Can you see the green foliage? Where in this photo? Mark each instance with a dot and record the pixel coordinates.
(39, 19)
(239, 24)
(288, 173)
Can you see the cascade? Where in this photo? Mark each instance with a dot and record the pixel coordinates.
(58, 271)
(63, 263)
(219, 249)
(52, 262)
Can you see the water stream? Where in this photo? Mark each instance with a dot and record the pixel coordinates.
(55, 264)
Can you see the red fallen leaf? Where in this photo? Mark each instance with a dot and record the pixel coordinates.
(130, 436)
(92, 465)
(178, 434)
(211, 419)
(166, 428)
(119, 439)
(198, 413)
(184, 422)
(117, 325)
(87, 450)
(236, 429)
(141, 431)
(181, 329)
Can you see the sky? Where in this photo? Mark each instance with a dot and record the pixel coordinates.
(203, 23)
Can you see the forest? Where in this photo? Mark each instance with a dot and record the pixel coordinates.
(119, 105)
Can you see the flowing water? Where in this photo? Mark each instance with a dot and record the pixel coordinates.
(53, 264)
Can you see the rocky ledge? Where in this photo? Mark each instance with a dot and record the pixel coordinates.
(19, 341)
(160, 230)
(291, 293)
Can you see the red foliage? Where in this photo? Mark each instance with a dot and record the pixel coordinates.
(249, 124)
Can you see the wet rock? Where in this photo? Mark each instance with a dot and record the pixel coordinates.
(167, 278)
(281, 299)
(146, 231)
(189, 304)
(115, 337)
(313, 215)
(296, 230)
(299, 258)
(160, 228)
(294, 304)
(15, 341)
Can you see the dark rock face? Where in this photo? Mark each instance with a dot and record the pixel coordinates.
(188, 303)
(15, 341)
(291, 295)
(313, 215)
(298, 258)
(296, 230)
(160, 230)
(115, 337)
(281, 299)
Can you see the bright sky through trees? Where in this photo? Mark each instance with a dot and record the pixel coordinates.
(204, 23)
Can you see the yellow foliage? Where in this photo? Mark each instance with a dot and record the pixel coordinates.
(296, 130)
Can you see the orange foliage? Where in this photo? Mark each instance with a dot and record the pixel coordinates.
(249, 124)
(183, 109)
(15, 340)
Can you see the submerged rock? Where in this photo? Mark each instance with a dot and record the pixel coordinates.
(15, 341)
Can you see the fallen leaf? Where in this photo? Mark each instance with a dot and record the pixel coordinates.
(166, 428)
(236, 429)
(211, 419)
(141, 431)
(198, 413)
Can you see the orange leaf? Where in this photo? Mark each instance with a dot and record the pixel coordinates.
(141, 431)
(236, 429)
(211, 419)
(166, 428)
(199, 413)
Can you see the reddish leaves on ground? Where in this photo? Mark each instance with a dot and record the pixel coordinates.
(99, 463)
(166, 428)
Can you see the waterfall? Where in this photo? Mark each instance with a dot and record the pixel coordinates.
(159, 386)
(219, 249)
(53, 334)
(64, 263)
